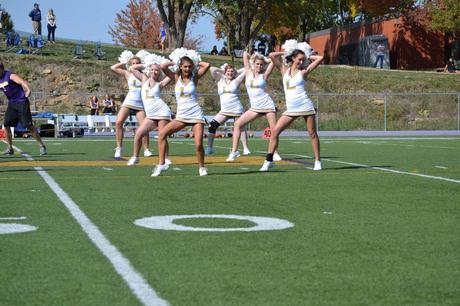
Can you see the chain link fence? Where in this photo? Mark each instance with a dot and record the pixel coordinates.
(336, 111)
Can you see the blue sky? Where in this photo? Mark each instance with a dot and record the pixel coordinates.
(88, 19)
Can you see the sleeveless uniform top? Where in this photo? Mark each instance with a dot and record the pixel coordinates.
(94, 104)
(155, 107)
(230, 104)
(258, 97)
(297, 101)
(13, 91)
(188, 109)
(133, 99)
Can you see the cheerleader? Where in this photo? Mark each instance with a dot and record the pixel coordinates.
(294, 71)
(157, 112)
(228, 81)
(261, 103)
(132, 105)
(188, 110)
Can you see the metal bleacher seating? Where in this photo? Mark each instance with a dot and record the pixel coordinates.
(72, 125)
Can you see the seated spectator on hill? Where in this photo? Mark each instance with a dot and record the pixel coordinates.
(223, 51)
(108, 105)
(450, 66)
(214, 50)
(94, 105)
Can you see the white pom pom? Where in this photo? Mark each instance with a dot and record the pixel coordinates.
(153, 59)
(179, 53)
(289, 46)
(303, 46)
(224, 66)
(125, 56)
(142, 54)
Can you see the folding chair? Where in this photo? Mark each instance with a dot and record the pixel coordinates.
(78, 51)
(99, 53)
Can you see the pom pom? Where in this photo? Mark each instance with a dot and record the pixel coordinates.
(179, 53)
(125, 56)
(142, 54)
(153, 59)
(290, 45)
(258, 55)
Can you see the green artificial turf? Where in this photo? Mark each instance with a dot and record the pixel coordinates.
(361, 235)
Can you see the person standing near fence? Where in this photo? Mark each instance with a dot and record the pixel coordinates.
(94, 106)
(108, 105)
(257, 70)
(189, 111)
(17, 91)
(51, 19)
(228, 82)
(294, 71)
(132, 105)
(36, 17)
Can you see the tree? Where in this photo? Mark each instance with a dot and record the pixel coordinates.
(137, 25)
(175, 14)
(444, 15)
(6, 21)
(239, 20)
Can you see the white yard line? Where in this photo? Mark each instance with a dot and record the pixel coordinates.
(370, 167)
(140, 288)
(13, 218)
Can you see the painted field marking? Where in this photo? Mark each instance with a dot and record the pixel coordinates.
(440, 167)
(376, 168)
(13, 218)
(385, 169)
(16, 228)
(167, 223)
(141, 289)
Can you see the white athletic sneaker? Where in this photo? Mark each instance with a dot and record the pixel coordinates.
(147, 153)
(267, 165)
(203, 171)
(118, 152)
(317, 166)
(158, 169)
(277, 157)
(209, 151)
(43, 150)
(133, 161)
(233, 155)
(246, 152)
(168, 162)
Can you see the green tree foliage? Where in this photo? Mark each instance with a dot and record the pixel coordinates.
(7, 22)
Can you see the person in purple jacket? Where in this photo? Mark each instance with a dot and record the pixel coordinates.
(17, 91)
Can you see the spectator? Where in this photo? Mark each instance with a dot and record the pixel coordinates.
(450, 66)
(36, 17)
(108, 105)
(94, 106)
(261, 48)
(380, 55)
(17, 91)
(51, 19)
(214, 50)
(223, 51)
(162, 36)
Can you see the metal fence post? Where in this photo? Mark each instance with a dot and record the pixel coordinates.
(317, 113)
(385, 112)
(458, 112)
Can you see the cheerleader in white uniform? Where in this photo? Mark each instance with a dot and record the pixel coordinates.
(188, 112)
(131, 104)
(228, 82)
(298, 104)
(261, 103)
(157, 111)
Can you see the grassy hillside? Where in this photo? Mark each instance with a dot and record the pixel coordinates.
(63, 84)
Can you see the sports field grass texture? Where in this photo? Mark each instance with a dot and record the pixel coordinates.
(378, 226)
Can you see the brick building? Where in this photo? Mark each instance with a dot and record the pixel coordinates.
(411, 46)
